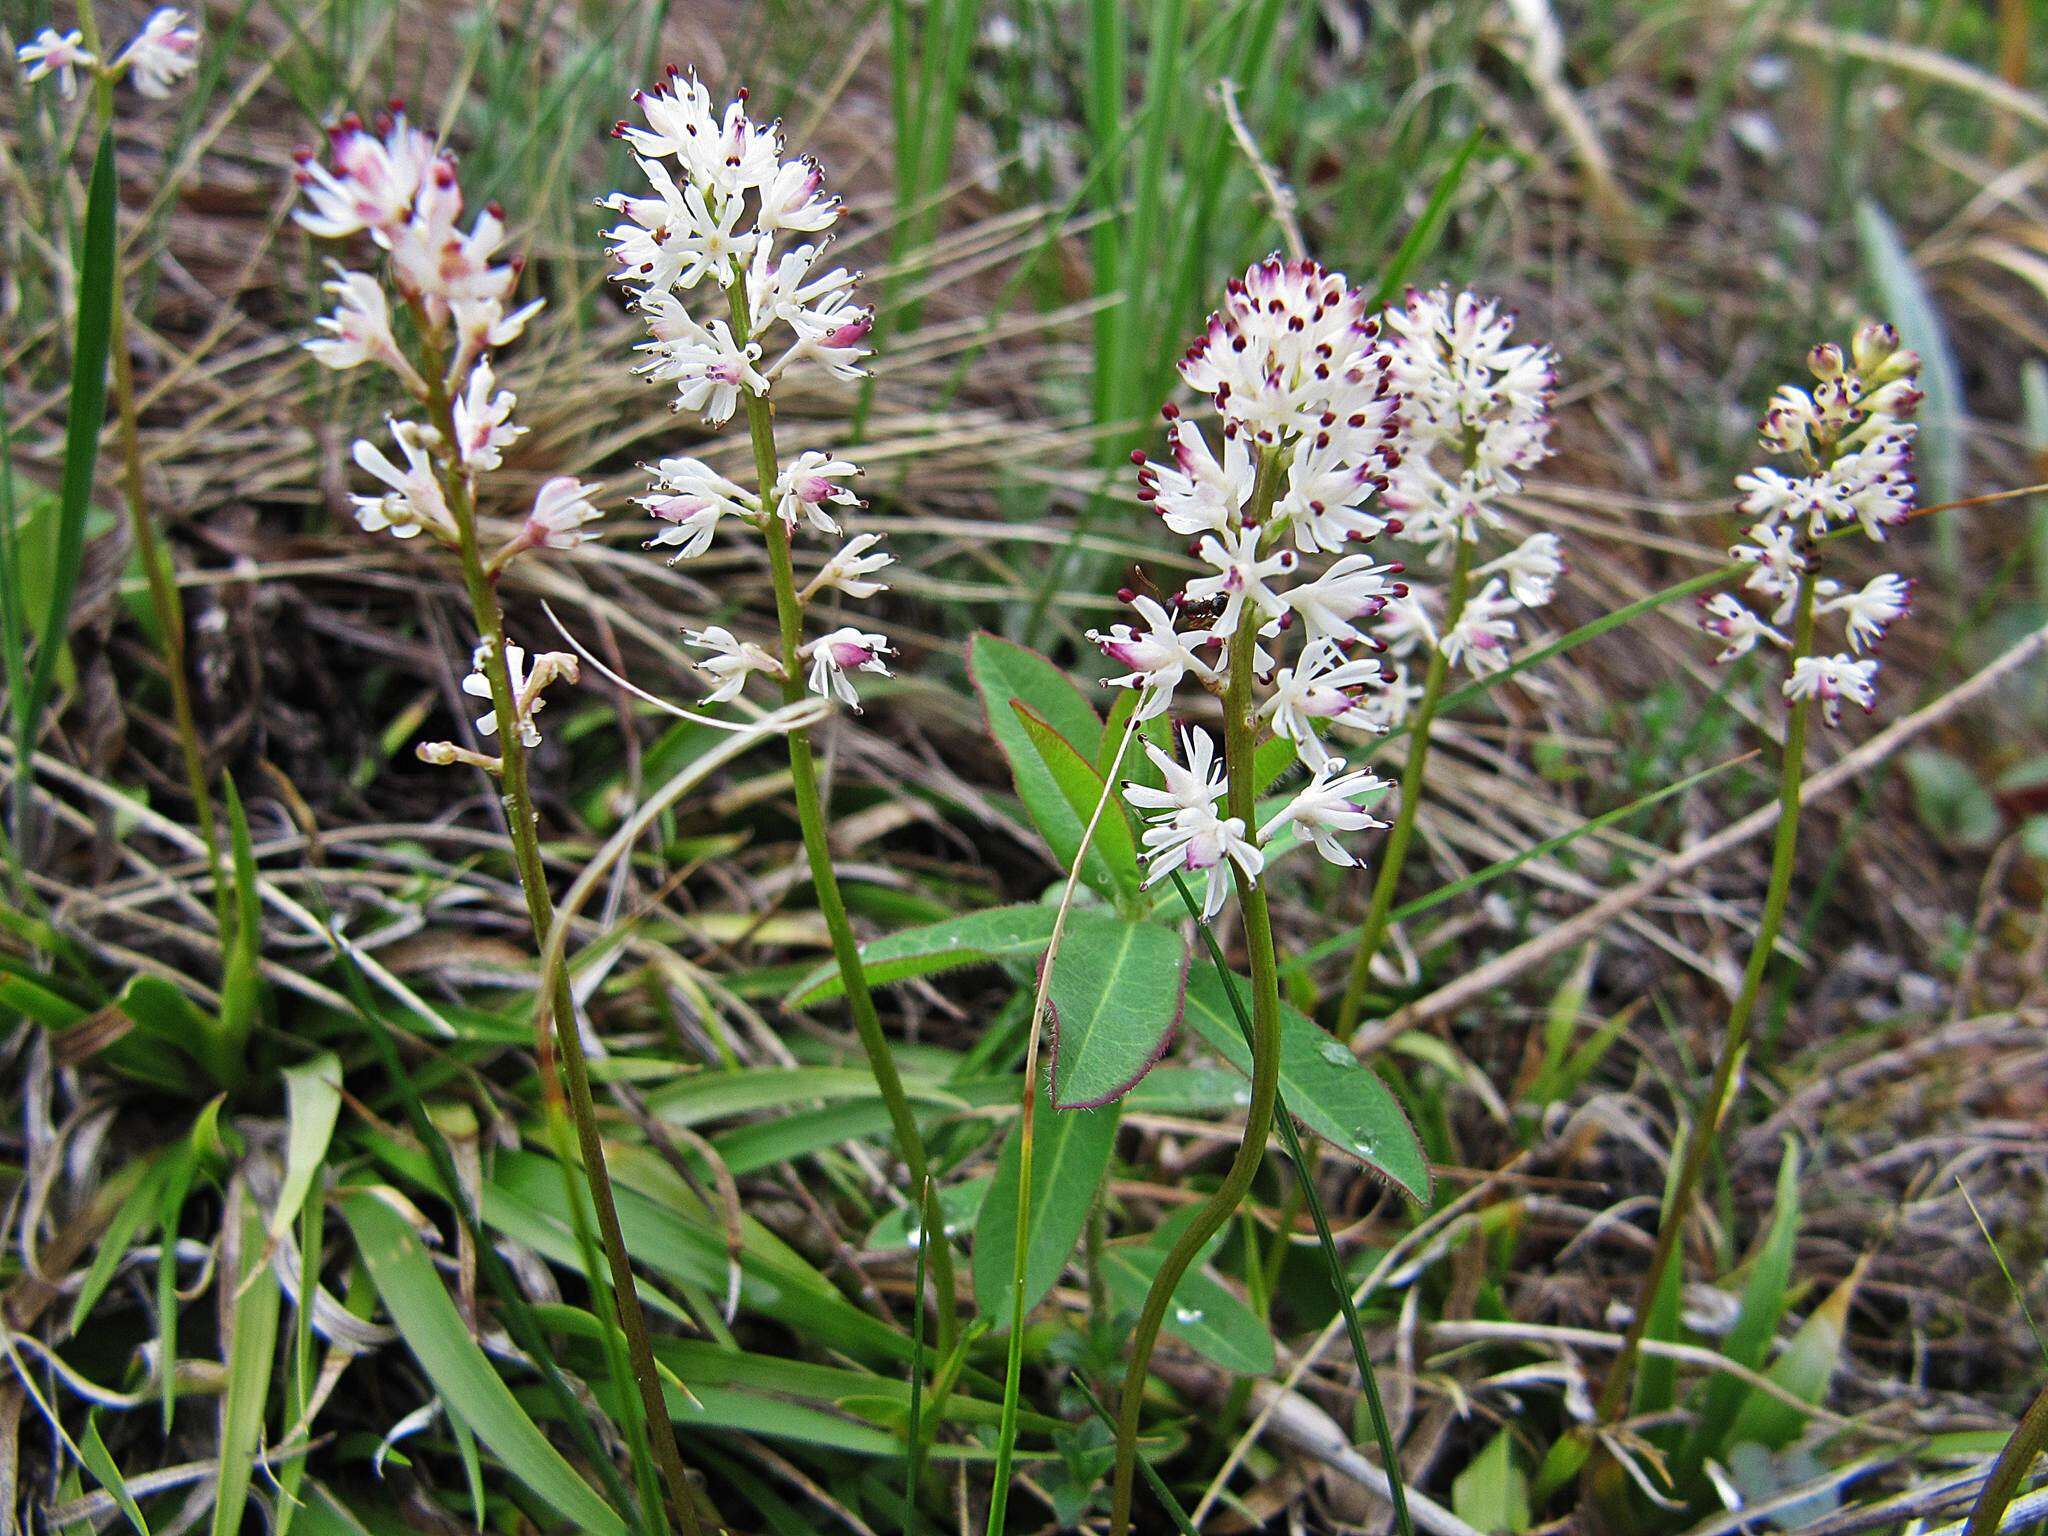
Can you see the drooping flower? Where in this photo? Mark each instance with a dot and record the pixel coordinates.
(1830, 679)
(1866, 612)
(690, 497)
(811, 483)
(163, 53)
(731, 662)
(483, 420)
(842, 652)
(1327, 806)
(562, 511)
(1480, 638)
(1158, 656)
(359, 330)
(527, 685)
(413, 501)
(849, 570)
(1323, 685)
(51, 52)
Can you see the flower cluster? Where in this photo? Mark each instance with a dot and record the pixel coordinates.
(1850, 440)
(388, 182)
(157, 58)
(1279, 514)
(727, 213)
(1475, 412)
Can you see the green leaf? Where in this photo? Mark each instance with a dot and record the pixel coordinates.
(1938, 450)
(107, 1472)
(1202, 1315)
(1004, 674)
(98, 283)
(1111, 867)
(1327, 1088)
(251, 1366)
(242, 999)
(433, 1330)
(1492, 1493)
(144, 1179)
(979, 938)
(1804, 1368)
(1756, 1324)
(1950, 800)
(704, 1097)
(1068, 1162)
(312, 1096)
(1114, 1000)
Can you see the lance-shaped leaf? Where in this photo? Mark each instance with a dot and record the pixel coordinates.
(1325, 1085)
(1004, 674)
(1067, 1165)
(1203, 1315)
(1115, 997)
(1112, 850)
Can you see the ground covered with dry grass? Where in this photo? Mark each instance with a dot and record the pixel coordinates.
(1679, 197)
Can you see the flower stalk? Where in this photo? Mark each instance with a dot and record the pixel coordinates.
(810, 810)
(1240, 742)
(1852, 435)
(1387, 880)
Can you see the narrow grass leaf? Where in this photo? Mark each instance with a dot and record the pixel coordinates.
(86, 414)
(312, 1096)
(251, 1363)
(101, 1464)
(420, 1308)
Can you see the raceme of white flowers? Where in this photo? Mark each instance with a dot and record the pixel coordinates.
(1475, 416)
(1850, 442)
(1429, 412)
(390, 184)
(157, 59)
(725, 259)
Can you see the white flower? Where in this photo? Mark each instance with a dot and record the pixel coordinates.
(60, 53)
(374, 181)
(676, 238)
(831, 333)
(690, 496)
(1322, 685)
(435, 263)
(809, 485)
(481, 325)
(1200, 841)
(793, 199)
(1831, 679)
(560, 509)
(1328, 805)
(1328, 485)
(707, 366)
(1480, 637)
(1405, 624)
(1531, 569)
(781, 289)
(1158, 656)
(848, 570)
(1866, 613)
(359, 330)
(1387, 707)
(163, 53)
(732, 661)
(1196, 787)
(1243, 576)
(414, 500)
(1355, 587)
(1288, 348)
(483, 420)
(1725, 615)
(1197, 494)
(526, 687)
(843, 651)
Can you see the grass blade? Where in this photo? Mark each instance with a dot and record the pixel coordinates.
(87, 413)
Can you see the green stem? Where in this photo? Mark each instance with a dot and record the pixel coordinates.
(540, 910)
(1239, 743)
(1706, 1123)
(1395, 852)
(1326, 1240)
(166, 607)
(2027, 1442)
(810, 811)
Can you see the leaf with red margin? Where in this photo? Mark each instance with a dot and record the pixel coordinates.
(1116, 996)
